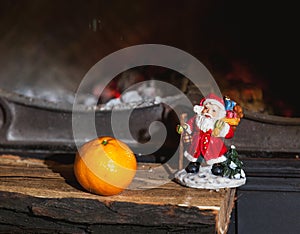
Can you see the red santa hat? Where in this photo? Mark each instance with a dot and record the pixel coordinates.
(213, 99)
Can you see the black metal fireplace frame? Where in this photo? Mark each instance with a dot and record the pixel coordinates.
(39, 126)
(35, 125)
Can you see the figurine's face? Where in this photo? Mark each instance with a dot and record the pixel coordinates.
(211, 110)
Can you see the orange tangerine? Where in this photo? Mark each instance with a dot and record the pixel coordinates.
(105, 166)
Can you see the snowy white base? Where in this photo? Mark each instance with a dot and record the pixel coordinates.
(206, 180)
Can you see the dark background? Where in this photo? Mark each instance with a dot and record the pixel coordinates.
(52, 43)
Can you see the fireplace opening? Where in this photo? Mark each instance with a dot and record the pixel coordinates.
(235, 79)
(46, 48)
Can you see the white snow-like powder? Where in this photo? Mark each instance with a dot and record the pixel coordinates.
(204, 179)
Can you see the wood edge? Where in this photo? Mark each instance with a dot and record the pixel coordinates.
(224, 215)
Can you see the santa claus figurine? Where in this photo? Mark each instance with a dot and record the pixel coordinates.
(204, 133)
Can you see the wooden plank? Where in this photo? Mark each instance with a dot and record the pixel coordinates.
(46, 190)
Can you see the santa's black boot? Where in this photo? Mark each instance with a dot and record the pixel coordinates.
(217, 169)
(193, 167)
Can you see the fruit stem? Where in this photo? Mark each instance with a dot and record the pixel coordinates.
(104, 142)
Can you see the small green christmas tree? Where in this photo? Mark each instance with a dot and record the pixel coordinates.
(232, 167)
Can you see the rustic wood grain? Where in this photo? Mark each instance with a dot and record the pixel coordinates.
(46, 194)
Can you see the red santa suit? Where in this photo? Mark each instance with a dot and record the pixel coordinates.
(203, 144)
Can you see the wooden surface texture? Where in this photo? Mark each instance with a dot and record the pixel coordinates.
(40, 195)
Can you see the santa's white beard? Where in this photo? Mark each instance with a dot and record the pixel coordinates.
(205, 123)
